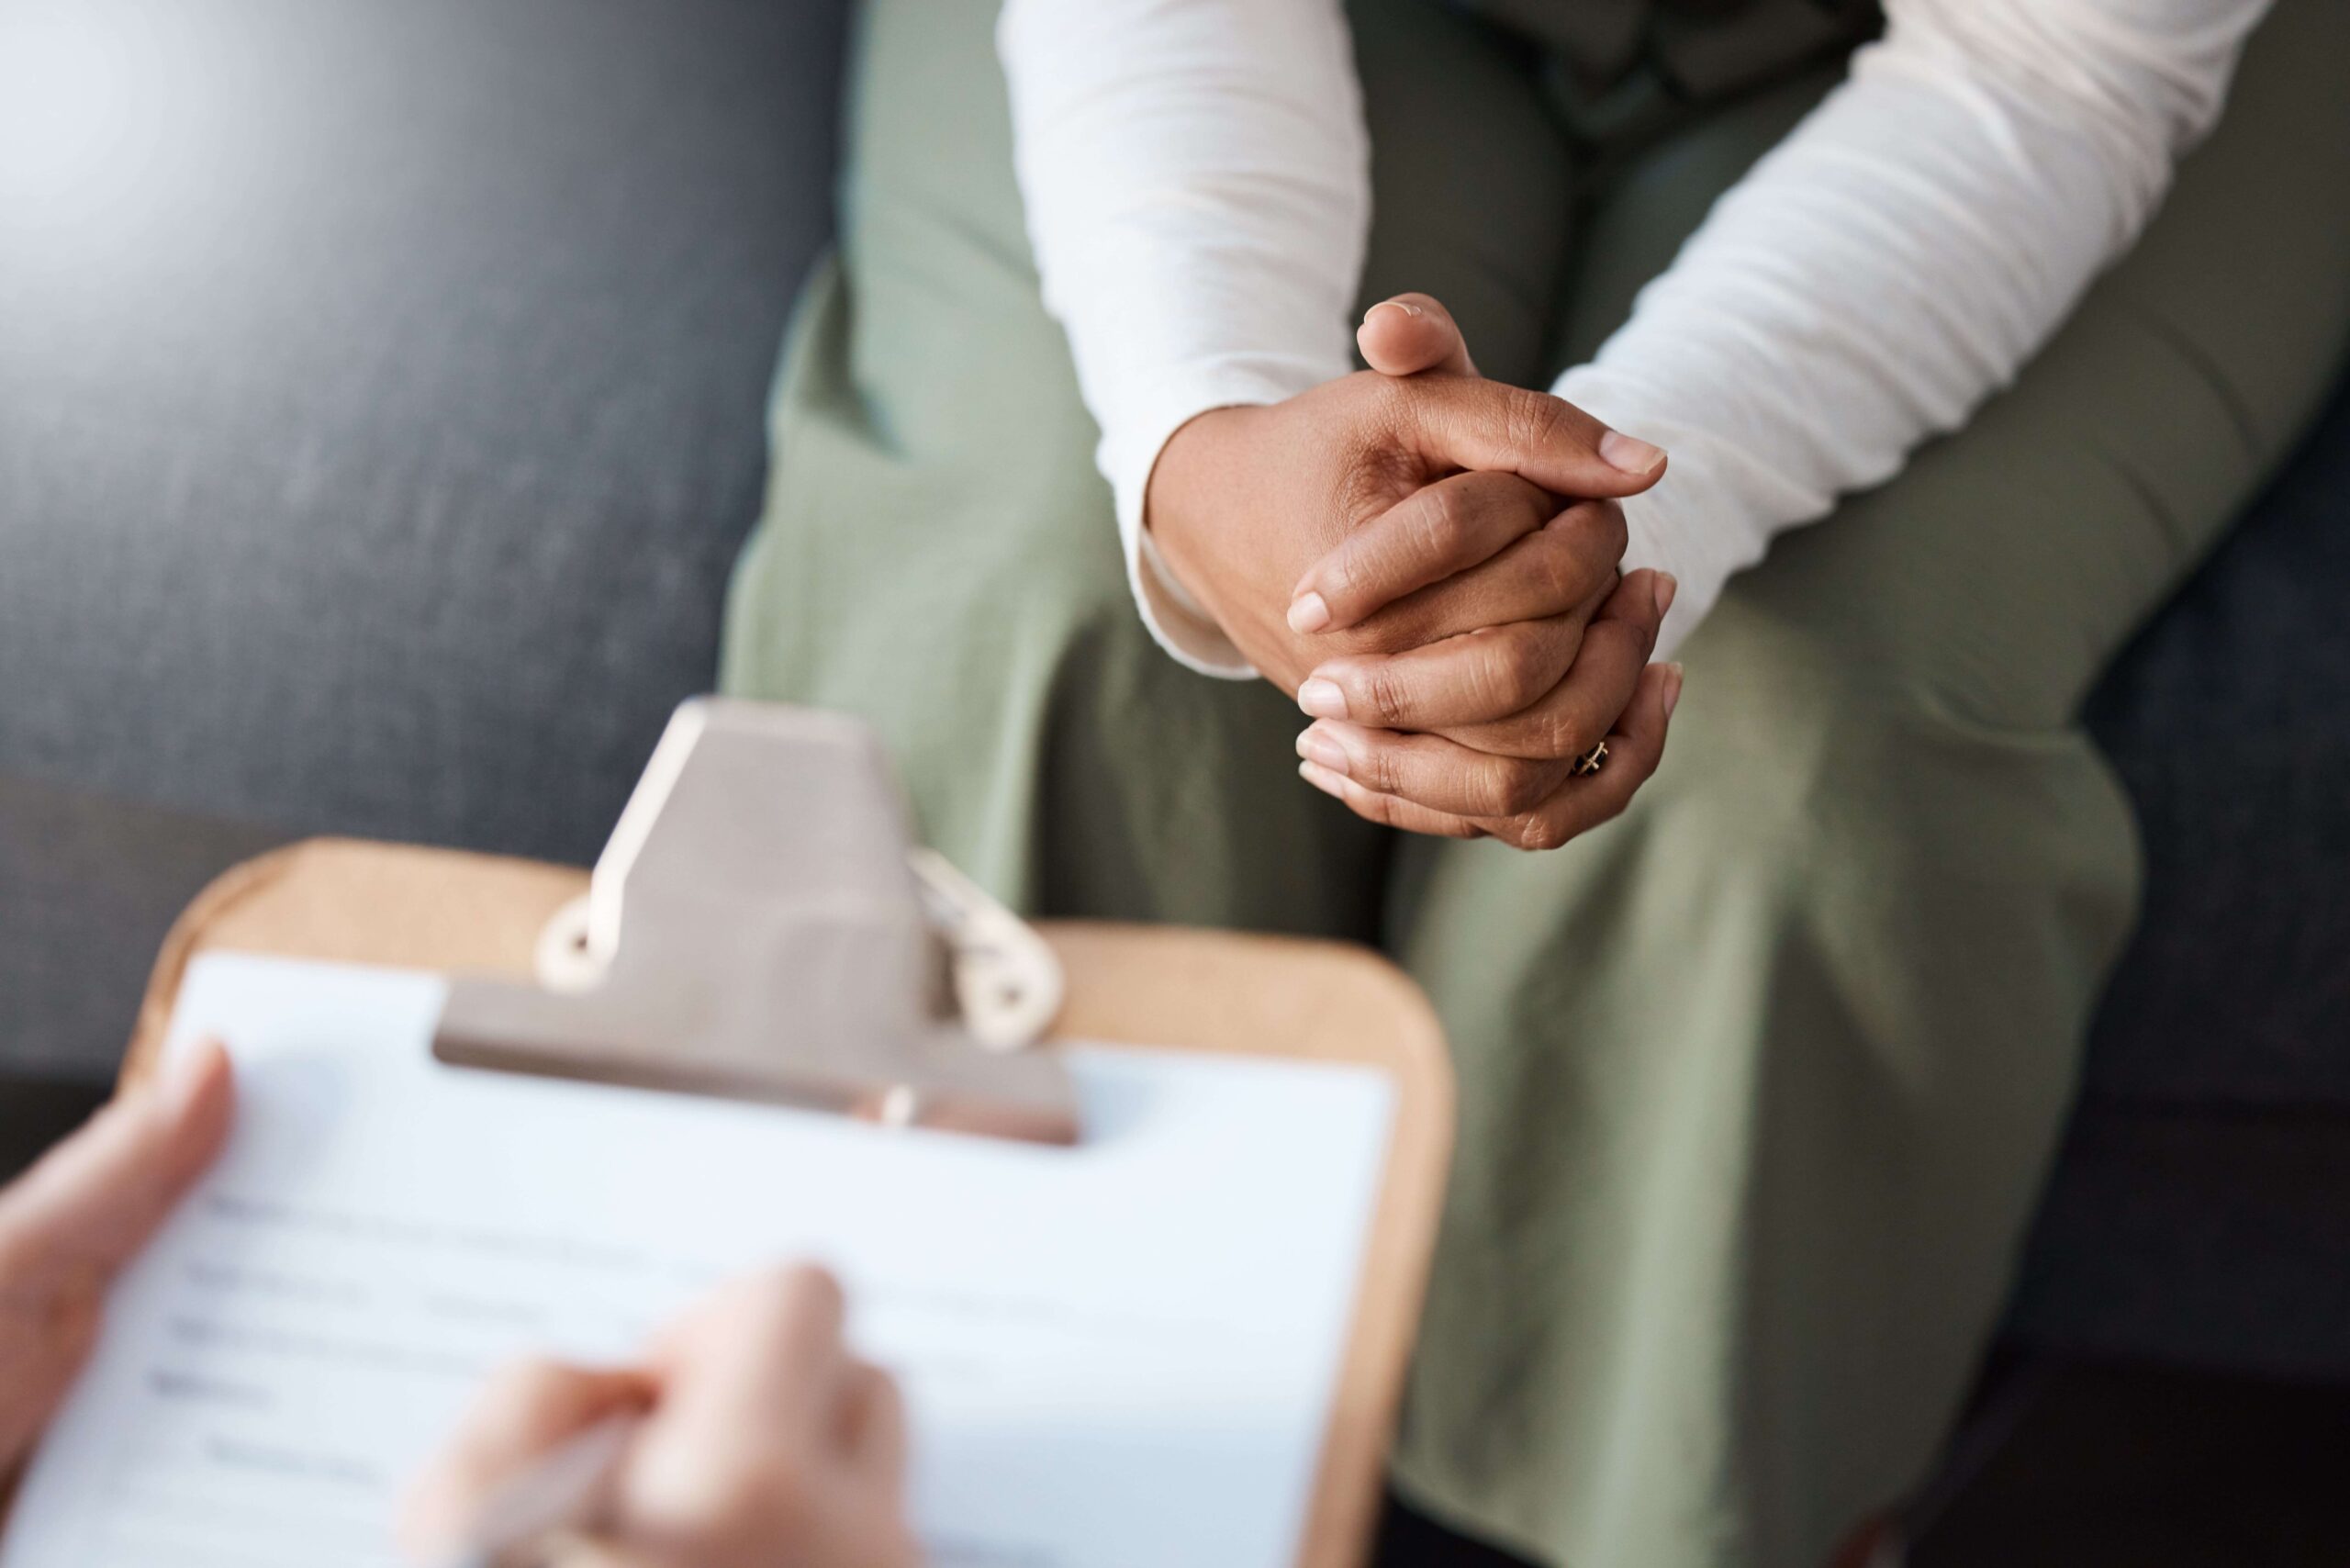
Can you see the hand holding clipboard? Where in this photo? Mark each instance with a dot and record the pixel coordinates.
(1245, 1000)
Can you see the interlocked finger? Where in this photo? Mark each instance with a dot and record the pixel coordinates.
(1559, 568)
(1580, 804)
(1586, 802)
(1576, 712)
(1473, 679)
(1520, 761)
(1387, 811)
(1490, 425)
(1435, 533)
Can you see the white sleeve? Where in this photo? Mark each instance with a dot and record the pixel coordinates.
(1197, 180)
(1898, 259)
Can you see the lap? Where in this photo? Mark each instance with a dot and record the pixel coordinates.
(1638, 1023)
(936, 519)
(1883, 713)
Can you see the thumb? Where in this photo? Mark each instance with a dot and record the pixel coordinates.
(1410, 333)
(95, 1199)
(68, 1226)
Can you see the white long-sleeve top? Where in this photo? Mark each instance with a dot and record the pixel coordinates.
(1196, 174)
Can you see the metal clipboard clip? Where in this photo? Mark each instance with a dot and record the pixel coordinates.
(761, 927)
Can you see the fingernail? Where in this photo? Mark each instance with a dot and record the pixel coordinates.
(1671, 688)
(1317, 747)
(1667, 585)
(1321, 779)
(1308, 612)
(1632, 456)
(1391, 304)
(1322, 699)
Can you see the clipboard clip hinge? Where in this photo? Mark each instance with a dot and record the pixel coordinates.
(1007, 981)
(760, 925)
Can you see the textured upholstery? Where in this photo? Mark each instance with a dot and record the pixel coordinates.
(2230, 724)
(2196, 1213)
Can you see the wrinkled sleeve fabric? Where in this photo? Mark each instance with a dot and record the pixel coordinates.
(1196, 177)
(1898, 259)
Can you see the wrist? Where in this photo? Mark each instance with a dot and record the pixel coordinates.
(1181, 500)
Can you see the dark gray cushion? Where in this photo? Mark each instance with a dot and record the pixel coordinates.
(2230, 724)
(376, 429)
(2197, 1212)
(2196, 1237)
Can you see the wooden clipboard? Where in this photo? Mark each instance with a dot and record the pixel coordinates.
(352, 902)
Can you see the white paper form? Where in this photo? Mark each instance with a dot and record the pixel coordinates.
(1119, 1354)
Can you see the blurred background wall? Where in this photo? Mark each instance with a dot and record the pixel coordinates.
(380, 389)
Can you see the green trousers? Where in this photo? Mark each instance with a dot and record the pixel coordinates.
(1758, 1082)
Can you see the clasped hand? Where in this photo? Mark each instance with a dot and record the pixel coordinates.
(1429, 561)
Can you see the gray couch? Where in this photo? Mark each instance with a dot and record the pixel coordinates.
(387, 484)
